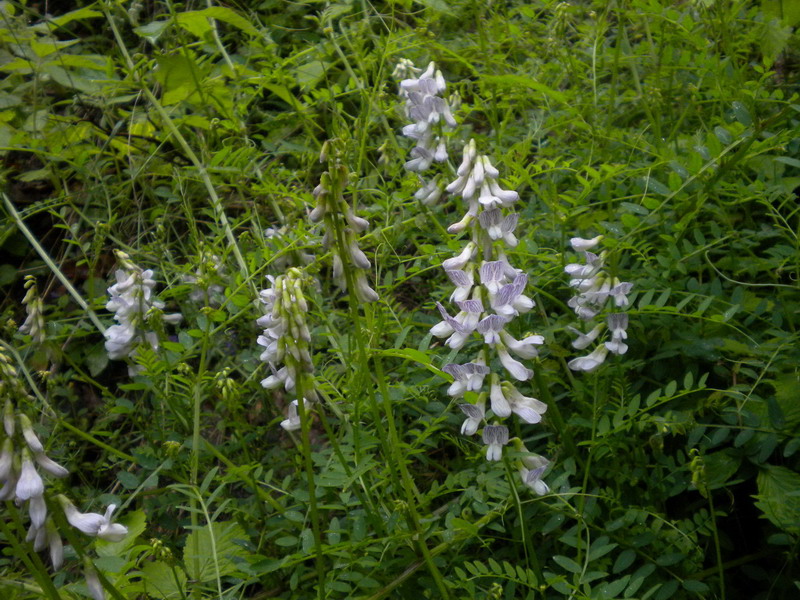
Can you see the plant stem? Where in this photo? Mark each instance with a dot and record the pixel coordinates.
(305, 426)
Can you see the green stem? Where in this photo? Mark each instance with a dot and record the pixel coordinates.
(530, 555)
(305, 427)
(717, 548)
(408, 484)
(196, 413)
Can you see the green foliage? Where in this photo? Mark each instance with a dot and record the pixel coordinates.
(188, 136)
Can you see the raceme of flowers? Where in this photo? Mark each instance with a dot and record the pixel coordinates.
(489, 292)
(425, 106)
(286, 340)
(341, 224)
(21, 459)
(131, 302)
(595, 289)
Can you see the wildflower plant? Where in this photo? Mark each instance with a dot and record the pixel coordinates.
(341, 224)
(489, 291)
(595, 289)
(286, 341)
(185, 134)
(134, 305)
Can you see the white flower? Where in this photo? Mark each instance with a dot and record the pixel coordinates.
(533, 479)
(30, 437)
(528, 409)
(430, 192)
(509, 300)
(584, 340)
(463, 281)
(93, 524)
(94, 585)
(500, 406)
(56, 545)
(468, 377)
(579, 272)
(475, 414)
(525, 348)
(492, 276)
(495, 437)
(292, 420)
(458, 262)
(590, 362)
(491, 328)
(52, 467)
(581, 244)
(29, 484)
(6, 460)
(618, 324)
(363, 291)
(37, 509)
(620, 293)
(517, 370)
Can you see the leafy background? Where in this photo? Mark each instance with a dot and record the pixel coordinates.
(180, 131)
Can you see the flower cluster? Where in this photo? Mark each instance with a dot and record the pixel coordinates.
(131, 301)
(425, 106)
(20, 461)
(595, 289)
(489, 295)
(34, 309)
(489, 292)
(341, 224)
(286, 339)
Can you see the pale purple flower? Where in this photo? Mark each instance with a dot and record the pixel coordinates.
(463, 280)
(533, 479)
(37, 509)
(56, 545)
(459, 261)
(617, 324)
(500, 406)
(524, 348)
(363, 291)
(495, 437)
(590, 362)
(491, 328)
(526, 408)
(94, 524)
(93, 584)
(6, 460)
(475, 414)
(292, 420)
(584, 340)
(492, 276)
(468, 377)
(581, 244)
(517, 370)
(29, 484)
(620, 293)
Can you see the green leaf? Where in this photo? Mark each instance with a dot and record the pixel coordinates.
(720, 467)
(778, 498)
(164, 581)
(567, 563)
(439, 6)
(514, 82)
(179, 76)
(152, 31)
(211, 550)
(624, 560)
